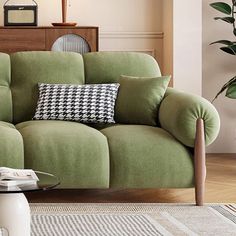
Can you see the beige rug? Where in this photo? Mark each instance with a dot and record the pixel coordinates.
(132, 219)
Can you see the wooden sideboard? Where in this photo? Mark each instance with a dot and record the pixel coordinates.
(15, 39)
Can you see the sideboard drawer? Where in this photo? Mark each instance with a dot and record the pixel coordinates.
(15, 40)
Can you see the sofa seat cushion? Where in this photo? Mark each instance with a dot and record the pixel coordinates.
(74, 152)
(11, 146)
(147, 157)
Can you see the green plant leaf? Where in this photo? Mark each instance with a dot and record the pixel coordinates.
(231, 91)
(222, 7)
(225, 86)
(231, 49)
(230, 20)
(225, 42)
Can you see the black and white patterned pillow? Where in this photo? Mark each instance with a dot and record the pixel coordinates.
(90, 103)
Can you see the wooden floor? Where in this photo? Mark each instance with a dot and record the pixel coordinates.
(220, 187)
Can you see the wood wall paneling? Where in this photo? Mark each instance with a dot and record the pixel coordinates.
(130, 41)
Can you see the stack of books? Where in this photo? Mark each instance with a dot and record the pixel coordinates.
(17, 177)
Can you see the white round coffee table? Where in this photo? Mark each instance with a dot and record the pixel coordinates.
(14, 207)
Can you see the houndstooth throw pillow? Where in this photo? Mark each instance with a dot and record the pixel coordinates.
(91, 103)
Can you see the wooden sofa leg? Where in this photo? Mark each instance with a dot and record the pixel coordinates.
(199, 163)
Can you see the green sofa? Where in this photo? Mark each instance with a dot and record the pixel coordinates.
(101, 156)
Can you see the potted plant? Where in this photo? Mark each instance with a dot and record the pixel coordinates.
(227, 46)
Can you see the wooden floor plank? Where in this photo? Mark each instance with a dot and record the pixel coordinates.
(220, 188)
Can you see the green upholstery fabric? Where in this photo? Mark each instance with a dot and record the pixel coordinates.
(5, 92)
(119, 156)
(31, 68)
(107, 67)
(179, 112)
(74, 152)
(100, 126)
(147, 157)
(139, 99)
(11, 146)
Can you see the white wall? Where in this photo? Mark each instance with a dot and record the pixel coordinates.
(110, 15)
(182, 44)
(128, 25)
(218, 68)
(187, 45)
(137, 25)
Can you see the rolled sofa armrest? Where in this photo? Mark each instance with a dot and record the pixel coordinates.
(179, 113)
(11, 146)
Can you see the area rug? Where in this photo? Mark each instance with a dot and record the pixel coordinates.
(132, 219)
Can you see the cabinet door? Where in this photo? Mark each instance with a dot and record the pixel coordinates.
(15, 40)
(88, 39)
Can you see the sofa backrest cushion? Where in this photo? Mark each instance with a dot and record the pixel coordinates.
(5, 92)
(107, 67)
(31, 68)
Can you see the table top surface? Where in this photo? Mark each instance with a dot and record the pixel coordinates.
(46, 182)
(49, 27)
